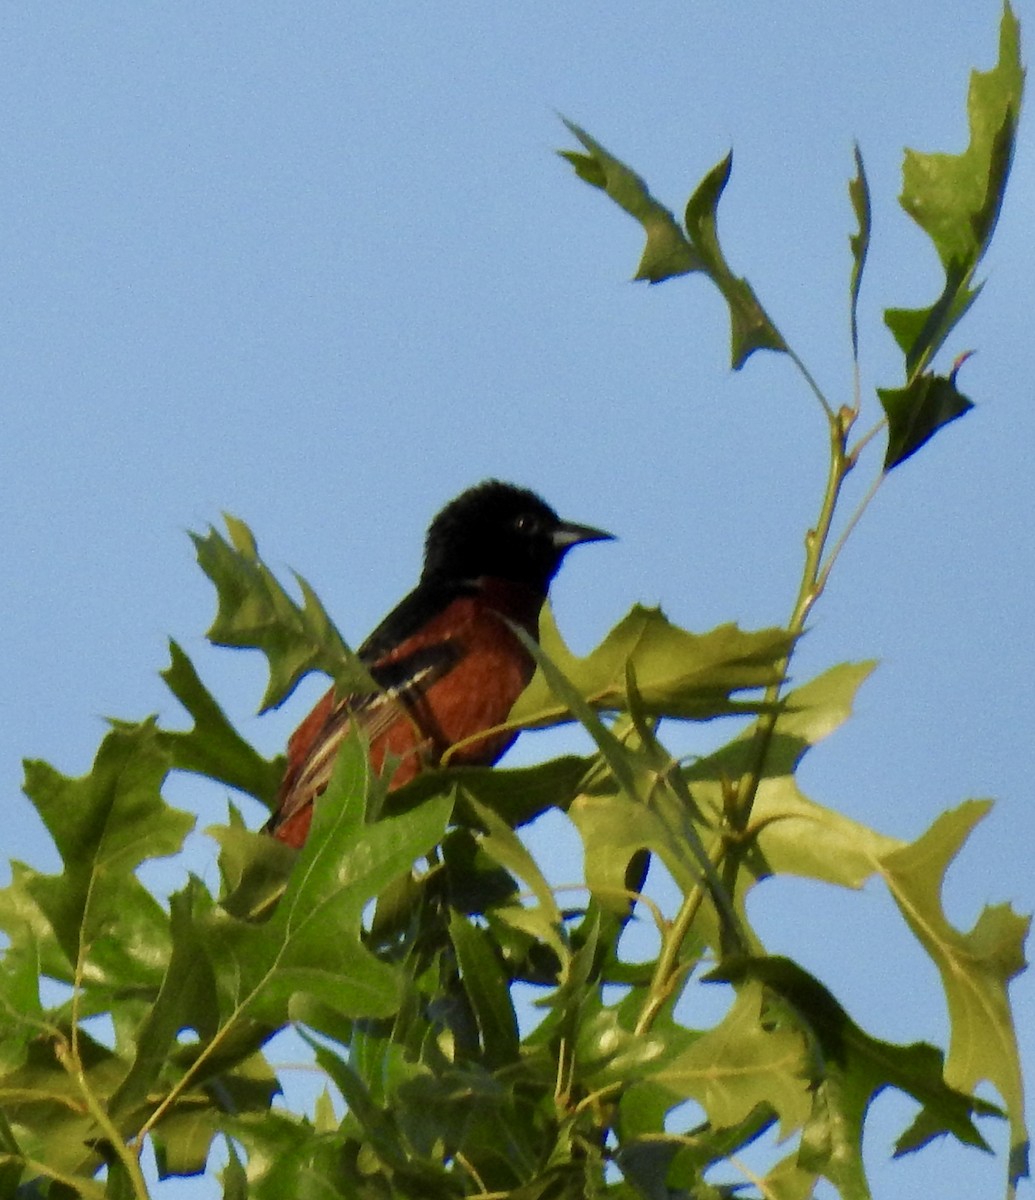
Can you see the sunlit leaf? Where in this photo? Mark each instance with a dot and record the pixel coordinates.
(667, 252)
(956, 199)
(746, 1060)
(678, 673)
(311, 943)
(750, 326)
(792, 834)
(849, 1069)
(105, 825)
(975, 967)
(670, 252)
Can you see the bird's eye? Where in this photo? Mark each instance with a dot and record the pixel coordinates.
(526, 523)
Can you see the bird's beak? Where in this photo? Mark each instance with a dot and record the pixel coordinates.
(567, 534)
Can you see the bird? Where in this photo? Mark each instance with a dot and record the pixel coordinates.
(446, 661)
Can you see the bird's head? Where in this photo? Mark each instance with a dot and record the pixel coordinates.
(499, 531)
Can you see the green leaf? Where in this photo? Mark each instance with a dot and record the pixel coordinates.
(311, 943)
(21, 1014)
(859, 194)
(667, 252)
(43, 1101)
(500, 844)
(790, 833)
(678, 674)
(213, 747)
(515, 794)
(255, 612)
(613, 828)
(255, 868)
(186, 1000)
(975, 967)
(488, 991)
(750, 326)
(608, 1050)
(747, 1060)
(956, 199)
(917, 411)
(849, 1069)
(105, 825)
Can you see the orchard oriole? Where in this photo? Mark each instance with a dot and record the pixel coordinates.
(446, 661)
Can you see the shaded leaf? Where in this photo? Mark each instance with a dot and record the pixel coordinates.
(667, 252)
(750, 326)
(254, 867)
(608, 1050)
(543, 920)
(515, 794)
(488, 991)
(43, 1100)
(255, 612)
(185, 1000)
(859, 194)
(917, 411)
(213, 747)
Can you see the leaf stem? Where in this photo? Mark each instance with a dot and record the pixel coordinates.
(813, 581)
(806, 374)
(128, 1159)
(668, 968)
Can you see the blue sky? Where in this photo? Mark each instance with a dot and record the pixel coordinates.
(319, 267)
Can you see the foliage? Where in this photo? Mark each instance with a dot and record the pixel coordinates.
(398, 939)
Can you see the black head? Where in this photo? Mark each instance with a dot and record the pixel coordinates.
(500, 531)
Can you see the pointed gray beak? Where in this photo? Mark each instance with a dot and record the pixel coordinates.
(568, 534)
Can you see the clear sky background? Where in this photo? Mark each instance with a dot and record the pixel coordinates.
(317, 265)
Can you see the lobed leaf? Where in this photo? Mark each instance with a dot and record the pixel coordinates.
(849, 1069)
(956, 200)
(678, 673)
(747, 1060)
(667, 252)
(975, 967)
(105, 825)
(255, 612)
(213, 747)
(791, 834)
(311, 943)
(750, 326)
